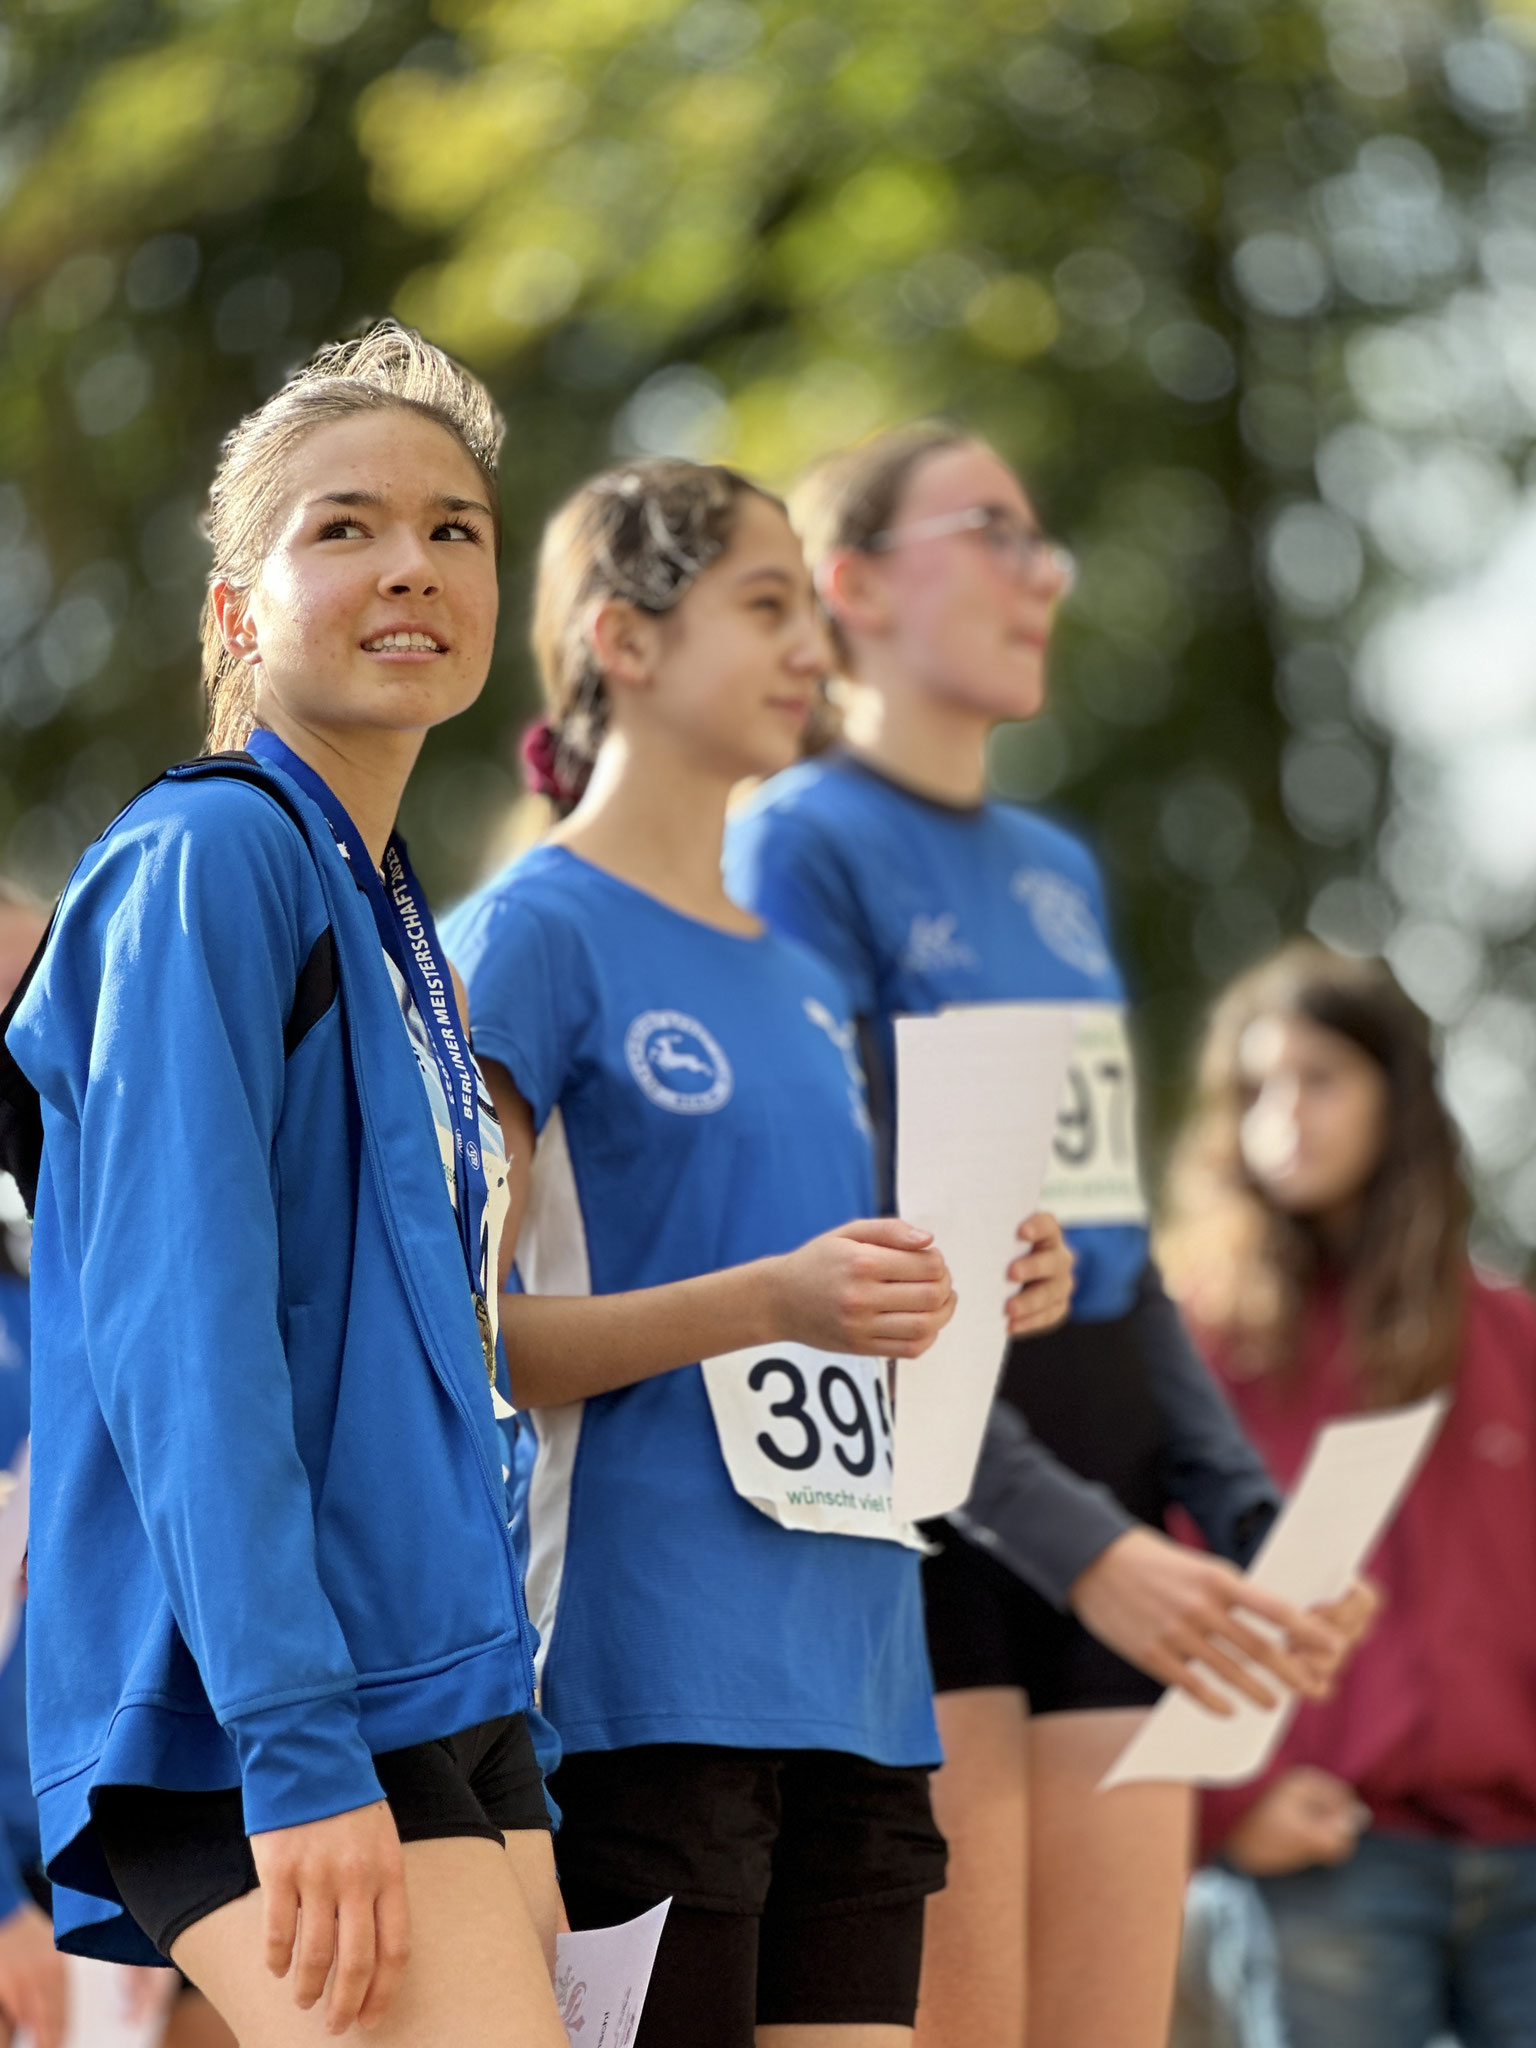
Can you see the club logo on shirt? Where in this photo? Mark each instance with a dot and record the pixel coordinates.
(933, 945)
(1064, 918)
(677, 1064)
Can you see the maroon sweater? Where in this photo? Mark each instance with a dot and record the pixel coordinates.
(1434, 1721)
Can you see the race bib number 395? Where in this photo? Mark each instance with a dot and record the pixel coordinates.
(806, 1438)
(1094, 1175)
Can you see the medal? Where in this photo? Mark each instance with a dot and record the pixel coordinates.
(409, 937)
(487, 1339)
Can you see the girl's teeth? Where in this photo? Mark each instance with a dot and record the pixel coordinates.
(414, 641)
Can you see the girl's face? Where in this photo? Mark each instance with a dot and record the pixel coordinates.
(376, 604)
(734, 671)
(1315, 1113)
(966, 613)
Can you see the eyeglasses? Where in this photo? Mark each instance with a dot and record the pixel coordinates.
(1018, 548)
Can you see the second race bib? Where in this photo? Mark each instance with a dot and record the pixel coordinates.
(1094, 1175)
(806, 1438)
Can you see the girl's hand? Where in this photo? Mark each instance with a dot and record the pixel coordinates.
(1353, 1615)
(1305, 1817)
(334, 1892)
(878, 1288)
(33, 1993)
(1178, 1615)
(1043, 1276)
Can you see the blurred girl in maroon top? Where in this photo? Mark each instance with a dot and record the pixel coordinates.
(1317, 1237)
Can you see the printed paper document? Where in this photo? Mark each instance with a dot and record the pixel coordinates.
(978, 1091)
(1357, 1473)
(601, 1978)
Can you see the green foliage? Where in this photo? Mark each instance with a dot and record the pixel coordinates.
(1133, 241)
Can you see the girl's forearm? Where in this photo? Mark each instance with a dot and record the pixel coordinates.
(564, 1347)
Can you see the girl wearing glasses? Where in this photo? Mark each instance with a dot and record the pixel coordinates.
(1056, 1610)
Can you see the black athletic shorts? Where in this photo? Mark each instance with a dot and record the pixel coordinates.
(797, 1879)
(1083, 1391)
(177, 1856)
(986, 1628)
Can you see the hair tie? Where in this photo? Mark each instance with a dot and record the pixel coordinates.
(540, 751)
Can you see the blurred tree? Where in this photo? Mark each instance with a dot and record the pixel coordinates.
(1146, 245)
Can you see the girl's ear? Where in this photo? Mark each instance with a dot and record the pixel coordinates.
(852, 585)
(236, 626)
(626, 643)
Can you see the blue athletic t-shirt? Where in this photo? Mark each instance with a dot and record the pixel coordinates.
(699, 1106)
(917, 904)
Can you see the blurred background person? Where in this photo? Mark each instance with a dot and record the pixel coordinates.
(1317, 1237)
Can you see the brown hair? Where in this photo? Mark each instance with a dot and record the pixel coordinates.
(1247, 1269)
(388, 367)
(844, 502)
(643, 533)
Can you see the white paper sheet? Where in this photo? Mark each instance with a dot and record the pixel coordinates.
(1355, 1476)
(601, 1978)
(978, 1090)
(102, 1999)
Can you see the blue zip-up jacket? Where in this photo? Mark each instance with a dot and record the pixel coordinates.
(268, 1530)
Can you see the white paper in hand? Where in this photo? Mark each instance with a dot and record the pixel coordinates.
(1355, 1476)
(978, 1090)
(601, 1978)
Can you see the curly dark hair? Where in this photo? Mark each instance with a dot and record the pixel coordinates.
(1247, 1269)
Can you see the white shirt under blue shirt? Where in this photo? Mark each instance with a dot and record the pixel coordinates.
(697, 1108)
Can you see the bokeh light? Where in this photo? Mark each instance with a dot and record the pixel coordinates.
(1249, 293)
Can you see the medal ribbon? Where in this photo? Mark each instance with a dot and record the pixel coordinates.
(409, 936)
